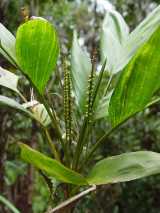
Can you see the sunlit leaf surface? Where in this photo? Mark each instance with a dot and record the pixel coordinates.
(125, 167)
(50, 166)
(37, 49)
(137, 83)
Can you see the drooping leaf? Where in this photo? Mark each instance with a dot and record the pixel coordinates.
(14, 104)
(138, 37)
(125, 167)
(37, 49)
(113, 36)
(137, 83)
(8, 79)
(39, 112)
(7, 44)
(80, 70)
(50, 166)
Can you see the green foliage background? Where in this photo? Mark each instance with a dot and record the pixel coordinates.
(142, 132)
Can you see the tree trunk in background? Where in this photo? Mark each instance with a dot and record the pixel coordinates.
(25, 183)
(3, 139)
(23, 202)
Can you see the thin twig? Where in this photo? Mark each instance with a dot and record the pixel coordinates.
(22, 97)
(72, 199)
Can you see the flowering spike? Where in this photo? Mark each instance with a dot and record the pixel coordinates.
(67, 104)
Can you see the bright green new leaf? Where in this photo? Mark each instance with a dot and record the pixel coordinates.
(8, 79)
(113, 36)
(125, 167)
(137, 83)
(37, 49)
(7, 45)
(80, 70)
(50, 166)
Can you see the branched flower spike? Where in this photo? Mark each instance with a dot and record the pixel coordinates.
(67, 104)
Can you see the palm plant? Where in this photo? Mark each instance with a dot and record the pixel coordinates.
(132, 58)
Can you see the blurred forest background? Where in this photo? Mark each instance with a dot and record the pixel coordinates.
(19, 183)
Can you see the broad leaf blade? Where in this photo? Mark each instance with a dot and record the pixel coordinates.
(37, 49)
(137, 83)
(7, 42)
(113, 36)
(138, 37)
(80, 70)
(52, 167)
(125, 167)
(8, 79)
